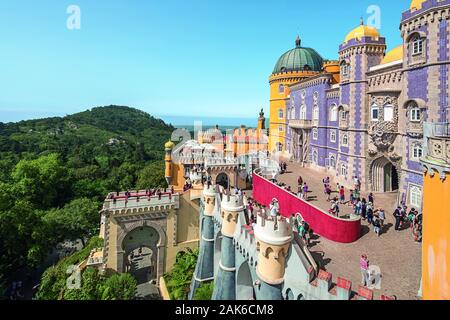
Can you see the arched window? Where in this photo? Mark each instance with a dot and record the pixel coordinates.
(417, 151)
(303, 112)
(415, 114)
(415, 196)
(315, 133)
(344, 170)
(316, 113)
(417, 45)
(280, 113)
(281, 88)
(388, 112)
(332, 161)
(374, 112)
(334, 112)
(315, 157)
(343, 115)
(345, 140)
(333, 135)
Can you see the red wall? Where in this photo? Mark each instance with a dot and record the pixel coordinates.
(323, 224)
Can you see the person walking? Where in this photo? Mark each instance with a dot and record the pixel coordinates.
(328, 192)
(398, 218)
(369, 213)
(377, 226)
(363, 209)
(371, 198)
(342, 194)
(364, 264)
(381, 216)
(300, 182)
(305, 191)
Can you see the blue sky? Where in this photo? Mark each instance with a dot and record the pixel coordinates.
(168, 58)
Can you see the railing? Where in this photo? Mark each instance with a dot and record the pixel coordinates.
(300, 124)
(331, 227)
(441, 129)
(141, 201)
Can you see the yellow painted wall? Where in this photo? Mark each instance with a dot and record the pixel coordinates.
(436, 239)
(279, 101)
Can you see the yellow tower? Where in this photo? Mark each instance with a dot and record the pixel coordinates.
(168, 161)
(436, 213)
(272, 241)
(293, 66)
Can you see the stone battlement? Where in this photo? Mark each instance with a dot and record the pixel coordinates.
(232, 203)
(276, 231)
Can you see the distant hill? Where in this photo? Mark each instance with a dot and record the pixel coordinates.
(99, 143)
(99, 131)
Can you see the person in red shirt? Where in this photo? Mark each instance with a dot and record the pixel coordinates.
(342, 194)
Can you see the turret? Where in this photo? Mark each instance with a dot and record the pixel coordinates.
(168, 161)
(273, 240)
(204, 270)
(225, 282)
(209, 199)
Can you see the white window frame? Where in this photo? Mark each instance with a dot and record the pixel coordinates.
(332, 163)
(415, 196)
(332, 135)
(316, 113)
(303, 112)
(417, 151)
(280, 114)
(345, 137)
(344, 169)
(417, 45)
(315, 156)
(386, 107)
(333, 112)
(372, 109)
(315, 134)
(415, 114)
(343, 115)
(281, 88)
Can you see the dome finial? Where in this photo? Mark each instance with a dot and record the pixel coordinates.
(362, 21)
(298, 42)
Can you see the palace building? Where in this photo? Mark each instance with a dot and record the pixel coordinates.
(363, 114)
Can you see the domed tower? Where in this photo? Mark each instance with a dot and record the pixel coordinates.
(225, 282)
(362, 49)
(204, 270)
(273, 241)
(168, 161)
(293, 66)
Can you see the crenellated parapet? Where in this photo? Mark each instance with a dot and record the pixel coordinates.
(209, 199)
(273, 240)
(230, 208)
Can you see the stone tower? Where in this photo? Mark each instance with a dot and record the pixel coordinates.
(362, 49)
(168, 161)
(204, 270)
(225, 282)
(273, 241)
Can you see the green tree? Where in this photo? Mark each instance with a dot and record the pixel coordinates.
(119, 287)
(152, 176)
(43, 181)
(77, 220)
(205, 291)
(179, 279)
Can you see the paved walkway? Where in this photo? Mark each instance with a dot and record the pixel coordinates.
(395, 252)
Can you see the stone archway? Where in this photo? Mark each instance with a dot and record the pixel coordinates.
(384, 175)
(223, 180)
(244, 283)
(156, 245)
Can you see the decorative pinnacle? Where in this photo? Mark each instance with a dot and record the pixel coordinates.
(298, 42)
(362, 21)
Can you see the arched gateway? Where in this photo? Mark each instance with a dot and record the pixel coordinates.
(384, 176)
